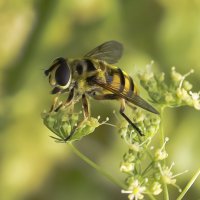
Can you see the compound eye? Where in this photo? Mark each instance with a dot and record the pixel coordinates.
(62, 73)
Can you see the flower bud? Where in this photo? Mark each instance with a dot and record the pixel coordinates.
(127, 167)
(187, 85)
(176, 77)
(156, 188)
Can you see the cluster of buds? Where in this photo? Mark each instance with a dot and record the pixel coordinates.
(148, 124)
(176, 92)
(146, 170)
(64, 122)
(139, 180)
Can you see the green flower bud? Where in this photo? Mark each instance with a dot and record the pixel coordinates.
(187, 85)
(146, 76)
(169, 98)
(62, 123)
(195, 100)
(176, 77)
(160, 77)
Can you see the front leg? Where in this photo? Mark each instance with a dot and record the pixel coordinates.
(68, 101)
(86, 115)
(54, 104)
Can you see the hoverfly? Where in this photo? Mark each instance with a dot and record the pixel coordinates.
(95, 76)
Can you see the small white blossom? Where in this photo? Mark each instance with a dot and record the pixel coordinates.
(167, 174)
(135, 191)
(187, 85)
(195, 99)
(177, 77)
(136, 147)
(148, 74)
(161, 154)
(156, 188)
(183, 95)
(127, 167)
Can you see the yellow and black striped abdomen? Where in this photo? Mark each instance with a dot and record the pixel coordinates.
(120, 81)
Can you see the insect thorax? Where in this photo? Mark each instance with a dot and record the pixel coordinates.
(83, 68)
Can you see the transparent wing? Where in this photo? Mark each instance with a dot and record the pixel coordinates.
(110, 52)
(135, 99)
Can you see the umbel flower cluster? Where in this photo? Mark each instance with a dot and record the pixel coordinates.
(173, 93)
(65, 121)
(144, 165)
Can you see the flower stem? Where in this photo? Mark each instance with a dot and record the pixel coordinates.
(165, 190)
(161, 125)
(96, 167)
(147, 168)
(189, 185)
(151, 196)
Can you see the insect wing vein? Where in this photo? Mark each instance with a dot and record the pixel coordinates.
(110, 52)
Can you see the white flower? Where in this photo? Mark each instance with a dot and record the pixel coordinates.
(183, 95)
(177, 77)
(195, 99)
(161, 154)
(135, 191)
(127, 167)
(167, 174)
(148, 74)
(156, 188)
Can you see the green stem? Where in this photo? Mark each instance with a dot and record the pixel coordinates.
(151, 196)
(190, 183)
(147, 168)
(161, 125)
(95, 166)
(165, 190)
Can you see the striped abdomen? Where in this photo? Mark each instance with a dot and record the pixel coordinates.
(120, 81)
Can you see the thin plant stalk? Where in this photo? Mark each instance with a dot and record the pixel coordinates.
(188, 186)
(151, 196)
(165, 188)
(96, 167)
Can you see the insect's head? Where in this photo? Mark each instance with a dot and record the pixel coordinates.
(59, 75)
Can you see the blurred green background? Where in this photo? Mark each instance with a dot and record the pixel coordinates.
(32, 34)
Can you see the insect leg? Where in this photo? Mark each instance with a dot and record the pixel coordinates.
(133, 107)
(55, 100)
(105, 96)
(68, 101)
(122, 109)
(86, 114)
(86, 110)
